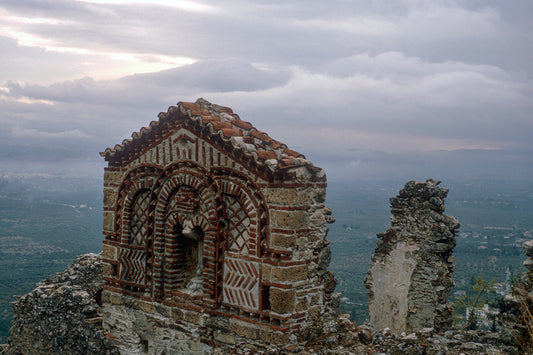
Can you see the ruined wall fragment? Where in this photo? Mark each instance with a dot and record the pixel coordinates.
(409, 279)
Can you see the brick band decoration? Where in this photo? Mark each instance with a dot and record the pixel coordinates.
(207, 217)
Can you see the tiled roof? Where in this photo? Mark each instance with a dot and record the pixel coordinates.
(220, 123)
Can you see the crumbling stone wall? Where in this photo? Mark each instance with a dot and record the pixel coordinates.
(62, 315)
(409, 279)
(215, 234)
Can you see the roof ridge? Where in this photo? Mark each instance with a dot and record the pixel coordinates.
(223, 122)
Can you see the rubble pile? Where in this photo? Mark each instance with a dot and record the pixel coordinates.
(62, 315)
(350, 339)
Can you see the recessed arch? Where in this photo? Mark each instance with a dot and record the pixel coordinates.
(187, 198)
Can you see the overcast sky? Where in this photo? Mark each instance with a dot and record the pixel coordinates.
(362, 88)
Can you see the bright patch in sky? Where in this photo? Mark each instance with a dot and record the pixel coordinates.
(184, 4)
(105, 64)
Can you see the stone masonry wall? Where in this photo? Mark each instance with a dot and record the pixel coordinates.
(409, 279)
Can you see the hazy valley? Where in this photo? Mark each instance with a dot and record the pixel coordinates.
(45, 221)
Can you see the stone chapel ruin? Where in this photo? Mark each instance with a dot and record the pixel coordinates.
(215, 234)
(409, 280)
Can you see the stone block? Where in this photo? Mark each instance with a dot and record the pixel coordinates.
(110, 196)
(108, 221)
(219, 323)
(290, 219)
(302, 305)
(163, 310)
(224, 338)
(289, 273)
(108, 270)
(111, 297)
(316, 298)
(147, 307)
(273, 337)
(245, 330)
(282, 241)
(267, 272)
(303, 197)
(113, 177)
(109, 252)
(282, 301)
(282, 196)
(192, 317)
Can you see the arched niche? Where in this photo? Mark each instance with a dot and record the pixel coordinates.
(134, 226)
(185, 219)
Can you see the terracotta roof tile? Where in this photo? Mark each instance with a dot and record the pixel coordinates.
(231, 132)
(221, 125)
(292, 153)
(275, 144)
(196, 109)
(224, 124)
(267, 154)
(242, 124)
(207, 119)
(261, 135)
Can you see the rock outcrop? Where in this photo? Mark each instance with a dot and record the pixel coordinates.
(409, 279)
(62, 315)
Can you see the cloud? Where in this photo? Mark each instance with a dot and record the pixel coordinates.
(229, 75)
(328, 78)
(133, 38)
(34, 133)
(388, 102)
(392, 94)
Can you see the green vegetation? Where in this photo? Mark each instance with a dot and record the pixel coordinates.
(472, 304)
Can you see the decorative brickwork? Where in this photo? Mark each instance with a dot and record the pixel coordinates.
(205, 216)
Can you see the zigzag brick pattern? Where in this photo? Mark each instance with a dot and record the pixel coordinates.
(241, 283)
(132, 262)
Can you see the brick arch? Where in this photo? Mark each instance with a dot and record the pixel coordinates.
(245, 212)
(197, 204)
(142, 177)
(253, 202)
(134, 208)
